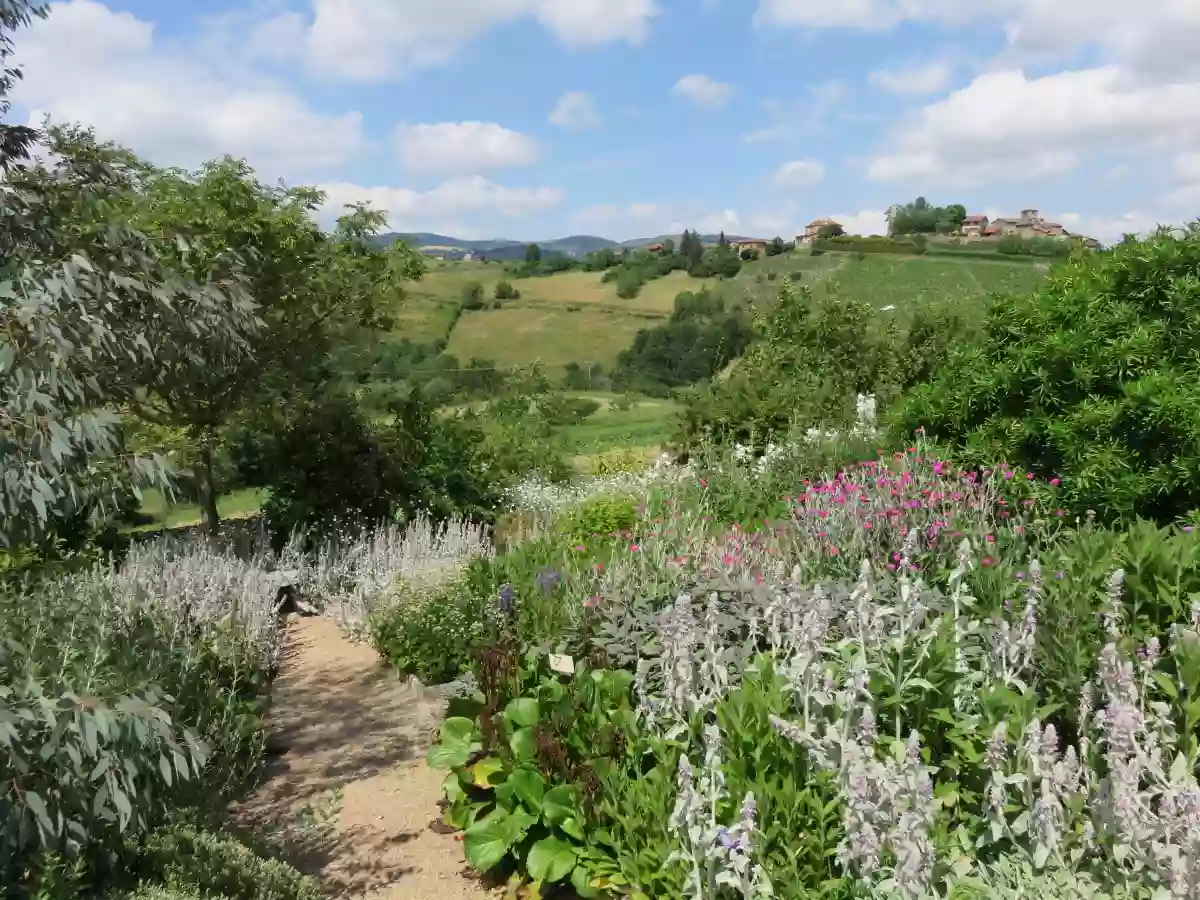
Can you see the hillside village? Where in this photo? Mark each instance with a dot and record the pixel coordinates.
(973, 228)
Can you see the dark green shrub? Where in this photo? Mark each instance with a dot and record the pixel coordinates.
(335, 467)
(1094, 378)
(771, 276)
(628, 284)
(472, 296)
(505, 291)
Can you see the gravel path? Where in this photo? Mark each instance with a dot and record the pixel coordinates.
(354, 738)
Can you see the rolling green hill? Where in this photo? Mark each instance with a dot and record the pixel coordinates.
(574, 316)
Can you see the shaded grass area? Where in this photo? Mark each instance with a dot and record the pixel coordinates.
(238, 504)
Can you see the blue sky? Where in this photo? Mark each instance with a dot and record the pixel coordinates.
(537, 118)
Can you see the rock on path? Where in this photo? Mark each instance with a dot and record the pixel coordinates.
(354, 738)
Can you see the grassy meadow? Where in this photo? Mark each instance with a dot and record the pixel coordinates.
(574, 317)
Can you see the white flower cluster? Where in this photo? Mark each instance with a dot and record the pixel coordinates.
(537, 494)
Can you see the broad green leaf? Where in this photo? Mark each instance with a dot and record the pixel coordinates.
(529, 786)
(484, 772)
(551, 859)
(487, 841)
(522, 744)
(522, 712)
(559, 804)
(572, 828)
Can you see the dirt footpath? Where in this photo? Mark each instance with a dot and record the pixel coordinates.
(350, 785)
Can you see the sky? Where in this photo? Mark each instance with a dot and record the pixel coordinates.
(534, 119)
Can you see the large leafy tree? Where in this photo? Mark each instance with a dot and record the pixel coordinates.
(89, 310)
(312, 289)
(922, 217)
(1094, 377)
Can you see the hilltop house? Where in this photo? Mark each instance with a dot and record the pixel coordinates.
(1029, 224)
(973, 226)
(755, 244)
(812, 230)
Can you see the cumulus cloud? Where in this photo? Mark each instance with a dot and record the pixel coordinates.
(865, 221)
(1157, 39)
(1005, 126)
(91, 65)
(575, 111)
(799, 173)
(931, 78)
(1110, 229)
(463, 148)
(702, 91)
(475, 196)
(369, 40)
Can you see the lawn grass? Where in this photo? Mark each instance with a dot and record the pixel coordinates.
(518, 335)
(240, 504)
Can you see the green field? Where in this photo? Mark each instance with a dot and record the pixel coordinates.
(889, 280)
(647, 423)
(517, 335)
(574, 317)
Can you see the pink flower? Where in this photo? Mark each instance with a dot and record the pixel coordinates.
(591, 602)
(987, 561)
(1060, 512)
(833, 551)
(1029, 476)
(1055, 482)
(634, 548)
(1008, 476)
(579, 548)
(990, 538)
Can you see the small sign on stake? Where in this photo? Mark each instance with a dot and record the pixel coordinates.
(562, 664)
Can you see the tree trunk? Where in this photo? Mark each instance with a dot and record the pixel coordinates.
(206, 477)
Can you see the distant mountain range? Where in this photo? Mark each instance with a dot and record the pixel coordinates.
(574, 246)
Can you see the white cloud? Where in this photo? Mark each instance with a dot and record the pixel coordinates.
(865, 14)
(1005, 126)
(1109, 229)
(799, 173)
(931, 78)
(368, 40)
(726, 220)
(1156, 39)
(105, 69)
(575, 111)
(702, 91)
(463, 148)
(410, 210)
(866, 221)
(1186, 195)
